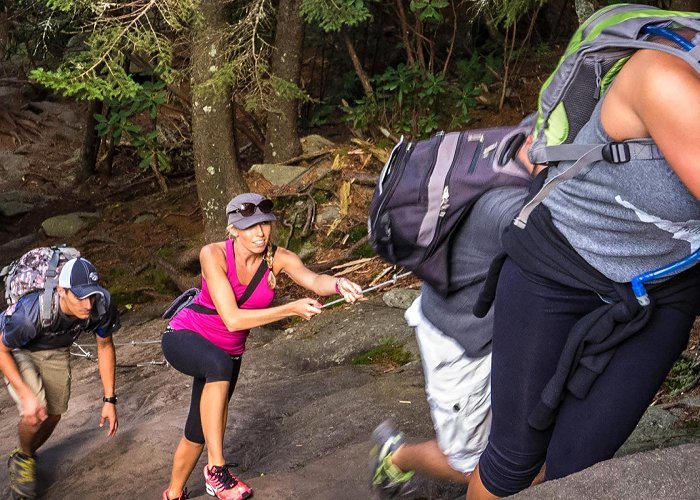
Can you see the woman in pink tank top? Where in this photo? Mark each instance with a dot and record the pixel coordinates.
(207, 339)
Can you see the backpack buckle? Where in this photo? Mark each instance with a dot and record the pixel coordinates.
(616, 152)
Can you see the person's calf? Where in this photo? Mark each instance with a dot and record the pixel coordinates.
(428, 459)
(32, 437)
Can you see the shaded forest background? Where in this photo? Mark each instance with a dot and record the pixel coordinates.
(210, 87)
(188, 95)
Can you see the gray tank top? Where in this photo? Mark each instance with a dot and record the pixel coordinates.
(625, 219)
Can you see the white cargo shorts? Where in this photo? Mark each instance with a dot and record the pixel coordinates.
(459, 392)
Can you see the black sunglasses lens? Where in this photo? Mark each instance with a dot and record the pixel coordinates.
(265, 206)
(247, 209)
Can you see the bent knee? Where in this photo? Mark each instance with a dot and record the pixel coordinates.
(220, 371)
(506, 473)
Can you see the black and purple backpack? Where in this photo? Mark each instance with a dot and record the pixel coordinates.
(427, 187)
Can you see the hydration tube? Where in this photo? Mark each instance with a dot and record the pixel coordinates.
(638, 281)
(668, 34)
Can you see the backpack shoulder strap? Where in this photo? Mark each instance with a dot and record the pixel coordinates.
(50, 286)
(612, 152)
(256, 279)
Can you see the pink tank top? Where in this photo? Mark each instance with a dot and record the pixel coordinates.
(211, 326)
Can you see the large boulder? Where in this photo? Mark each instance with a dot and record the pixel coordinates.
(64, 226)
(314, 143)
(667, 473)
(278, 175)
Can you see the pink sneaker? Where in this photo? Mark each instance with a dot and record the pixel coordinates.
(222, 484)
(183, 496)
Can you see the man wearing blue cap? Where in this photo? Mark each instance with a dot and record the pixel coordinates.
(35, 361)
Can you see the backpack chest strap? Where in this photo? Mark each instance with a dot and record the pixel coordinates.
(612, 152)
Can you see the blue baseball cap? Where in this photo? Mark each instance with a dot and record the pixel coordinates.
(80, 276)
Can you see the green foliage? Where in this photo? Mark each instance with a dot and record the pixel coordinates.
(429, 10)
(119, 120)
(507, 12)
(389, 352)
(98, 67)
(357, 233)
(409, 101)
(683, 376)
(332, 15)
(365, 250)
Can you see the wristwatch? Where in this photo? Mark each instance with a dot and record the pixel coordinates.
(111, 399)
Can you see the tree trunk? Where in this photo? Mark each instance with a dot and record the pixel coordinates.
(584, 9)
(281, 137)
(215, 166)
(686, 5)
(91, 144)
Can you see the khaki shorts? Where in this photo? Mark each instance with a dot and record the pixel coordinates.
(47, 373)
(459, 393)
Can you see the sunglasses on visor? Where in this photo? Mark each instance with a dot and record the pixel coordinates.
(248, 209)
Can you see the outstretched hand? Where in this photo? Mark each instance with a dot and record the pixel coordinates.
(306, 308)
(109, 413)
(350, 290)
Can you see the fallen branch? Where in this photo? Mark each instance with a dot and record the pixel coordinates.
(380, 154)
(17, 244)
(325, 266)
(306, 156)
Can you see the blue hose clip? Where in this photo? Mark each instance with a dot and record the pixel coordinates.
(668, 34)
(638, 281)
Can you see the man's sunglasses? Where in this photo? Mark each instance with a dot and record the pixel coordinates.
(248, 209)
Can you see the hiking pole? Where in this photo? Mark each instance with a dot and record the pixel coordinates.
(392, 281)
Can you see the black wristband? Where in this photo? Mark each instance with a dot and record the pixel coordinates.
(111, 399)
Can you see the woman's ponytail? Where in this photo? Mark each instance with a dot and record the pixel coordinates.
(270, 258)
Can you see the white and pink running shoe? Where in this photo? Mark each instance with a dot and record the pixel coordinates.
(222, 484)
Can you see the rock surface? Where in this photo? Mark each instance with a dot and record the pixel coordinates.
(300, 420)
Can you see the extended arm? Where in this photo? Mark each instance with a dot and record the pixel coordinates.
(213, 262)
(320, 284)
(106, 362)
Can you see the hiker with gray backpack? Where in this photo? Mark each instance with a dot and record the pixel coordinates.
(53, 296)
(580, 345)
(455, 350)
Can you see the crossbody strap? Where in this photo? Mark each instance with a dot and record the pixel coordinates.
(256, 279)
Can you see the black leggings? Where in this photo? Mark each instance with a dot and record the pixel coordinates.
(532, 318)
(190, 353)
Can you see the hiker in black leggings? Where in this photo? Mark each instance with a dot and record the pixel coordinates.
(576, 359)
(207, 339)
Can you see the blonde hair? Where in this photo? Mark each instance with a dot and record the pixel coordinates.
(270, 258)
